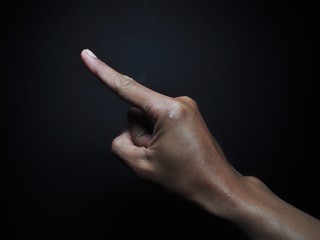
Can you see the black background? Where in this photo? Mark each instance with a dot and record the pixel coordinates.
(244, 62)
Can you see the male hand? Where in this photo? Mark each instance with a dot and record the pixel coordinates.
(168, 142)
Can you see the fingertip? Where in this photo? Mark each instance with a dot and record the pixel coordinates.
(88, 53)
(82, 52)
(89, 59)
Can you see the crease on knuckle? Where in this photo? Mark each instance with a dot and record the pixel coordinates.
(124, 82)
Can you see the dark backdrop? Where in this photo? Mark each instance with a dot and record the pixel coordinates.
(244, 62)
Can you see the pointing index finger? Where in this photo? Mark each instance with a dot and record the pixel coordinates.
(123, 86)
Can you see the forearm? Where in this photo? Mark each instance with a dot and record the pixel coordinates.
(263, 215)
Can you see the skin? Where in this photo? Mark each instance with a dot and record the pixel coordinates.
(167, 142)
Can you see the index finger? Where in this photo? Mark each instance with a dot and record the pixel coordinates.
(123, 86)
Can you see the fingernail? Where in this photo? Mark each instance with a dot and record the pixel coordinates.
(91, 54)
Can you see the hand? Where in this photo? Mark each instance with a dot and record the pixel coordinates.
(167, 142)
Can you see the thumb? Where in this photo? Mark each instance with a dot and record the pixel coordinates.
(124, 148)
(141, 128)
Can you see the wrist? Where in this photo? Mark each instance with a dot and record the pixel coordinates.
(223, 195)
(234, 198)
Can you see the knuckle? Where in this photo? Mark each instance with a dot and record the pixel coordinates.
(180, 108)
(177, 111)
(124, 82)
(188, 101)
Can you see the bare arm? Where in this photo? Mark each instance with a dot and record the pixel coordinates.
(168, 142)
